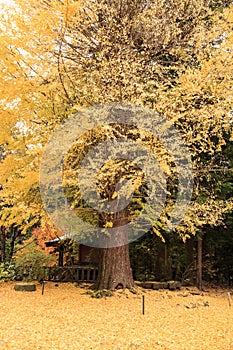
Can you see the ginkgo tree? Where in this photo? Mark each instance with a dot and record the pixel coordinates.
(204, 110)
(58, 57)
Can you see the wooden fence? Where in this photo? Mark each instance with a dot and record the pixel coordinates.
(71, 273)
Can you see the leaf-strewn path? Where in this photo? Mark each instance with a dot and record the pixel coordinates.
(65, 318)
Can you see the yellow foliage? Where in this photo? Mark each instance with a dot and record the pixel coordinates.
(57, 57)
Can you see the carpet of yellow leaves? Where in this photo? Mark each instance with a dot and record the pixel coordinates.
(67, 318)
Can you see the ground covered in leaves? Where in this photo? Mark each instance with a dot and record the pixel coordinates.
(65, 317)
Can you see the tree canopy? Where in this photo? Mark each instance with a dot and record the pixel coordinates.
(59, 57)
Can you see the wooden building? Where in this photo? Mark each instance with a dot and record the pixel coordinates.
(83, 267)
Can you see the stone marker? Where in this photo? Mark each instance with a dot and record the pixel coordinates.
(26, 287)
(173, 285)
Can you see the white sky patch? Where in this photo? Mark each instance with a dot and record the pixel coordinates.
(6, 6)
(22, 127)
(6, 2)
(11, 104)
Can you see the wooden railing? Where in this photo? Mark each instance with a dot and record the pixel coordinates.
(76, 273)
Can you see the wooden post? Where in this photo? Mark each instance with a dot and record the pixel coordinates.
(82, 275)
(229, 298)
(43, 283)
(61, 255)
(88, 275)
(143, 304)
(77, 274)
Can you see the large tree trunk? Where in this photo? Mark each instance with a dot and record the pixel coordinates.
(114, 266)
(114, 269)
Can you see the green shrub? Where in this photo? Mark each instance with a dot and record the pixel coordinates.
(7, 272)
(30, 264)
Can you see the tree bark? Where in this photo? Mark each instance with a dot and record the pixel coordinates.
(3, 244)
(114, 267)
(14, 232)
(189, 249)
(199, 262)
(167, 265)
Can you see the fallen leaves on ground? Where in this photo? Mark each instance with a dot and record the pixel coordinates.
(65, 317)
